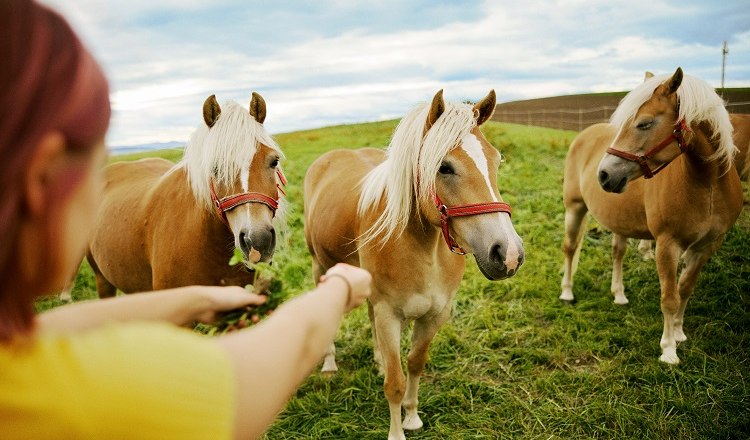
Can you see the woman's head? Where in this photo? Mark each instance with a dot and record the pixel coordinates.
(54, 113)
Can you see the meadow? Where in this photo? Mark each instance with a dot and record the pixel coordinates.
(514, 362)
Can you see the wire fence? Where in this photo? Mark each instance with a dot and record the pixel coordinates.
(577, 119)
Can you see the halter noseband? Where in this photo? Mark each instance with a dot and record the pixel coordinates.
(678, 135)
(230, 202)
(463, 211)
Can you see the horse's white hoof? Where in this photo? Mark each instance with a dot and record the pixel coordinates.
(670, 357)
(412, 422)
(567, 295)
(621, 300)
(329, 366)
(679, 335)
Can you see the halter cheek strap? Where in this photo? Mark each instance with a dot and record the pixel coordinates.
(678, 135)
(230, 202)
(463, 211)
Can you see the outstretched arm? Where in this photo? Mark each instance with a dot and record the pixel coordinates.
(273, 358)
(179, 306)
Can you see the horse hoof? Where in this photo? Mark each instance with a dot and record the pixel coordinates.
(412, 424)
(670, 358)
(621, 301)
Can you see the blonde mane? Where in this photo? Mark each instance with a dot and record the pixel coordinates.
(223, 150)
(698, 103)
(407, 175)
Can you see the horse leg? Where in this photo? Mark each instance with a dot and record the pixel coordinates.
(424, 331)
(619, 245)
(574, 228)
(389, 338)
(375, 346)
(645, 249)
(667, 258)
(104, 288)
(694, 262)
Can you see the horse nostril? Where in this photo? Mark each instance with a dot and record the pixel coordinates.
(244, 242)
(603, 177)
(497, 254)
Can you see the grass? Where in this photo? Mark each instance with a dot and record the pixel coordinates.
(514, 362)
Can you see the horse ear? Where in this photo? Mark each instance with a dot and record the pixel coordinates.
(675, 81)
(485, 108)
(648, 75)
(258, 108)
(211, 110)
(436, 109)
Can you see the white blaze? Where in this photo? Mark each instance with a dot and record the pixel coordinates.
(473, 149)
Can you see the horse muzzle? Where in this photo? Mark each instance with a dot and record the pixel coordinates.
(257, 245)
(502, 259)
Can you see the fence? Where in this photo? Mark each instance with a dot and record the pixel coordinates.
(576, 119)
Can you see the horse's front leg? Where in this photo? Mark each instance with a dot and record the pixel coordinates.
(667, 258)
(694, 262)
(388, 328)
(424, 331)
(575, 216)
(619, 245)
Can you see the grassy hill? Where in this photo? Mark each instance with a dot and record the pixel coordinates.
(514, 362)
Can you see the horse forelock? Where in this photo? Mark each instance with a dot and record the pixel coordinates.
(222, 151)
(407, 175)
(699, 102)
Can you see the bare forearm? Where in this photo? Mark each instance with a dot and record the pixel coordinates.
(169, 306)
(272, 359)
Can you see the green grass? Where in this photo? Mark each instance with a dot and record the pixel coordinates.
(516, 363)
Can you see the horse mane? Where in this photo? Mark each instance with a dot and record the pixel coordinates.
(407, 175)
(699, 102)
(220, 153)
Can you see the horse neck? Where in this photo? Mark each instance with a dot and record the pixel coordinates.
(202, 223)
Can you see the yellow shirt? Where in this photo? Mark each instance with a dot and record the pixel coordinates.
(145, 381)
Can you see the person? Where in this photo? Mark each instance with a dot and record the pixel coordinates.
(118, 368)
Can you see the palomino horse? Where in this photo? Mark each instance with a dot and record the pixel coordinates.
(687, 207)
(390, 211)
(163, 225)
(741, 137)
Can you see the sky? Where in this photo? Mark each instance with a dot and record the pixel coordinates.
(329, 62)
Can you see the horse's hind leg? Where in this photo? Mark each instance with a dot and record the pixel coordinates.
(377, 355)
(424, 331)
(575, 216)
(694, 262)
(619, 245)
(104, 288)
(645, 248)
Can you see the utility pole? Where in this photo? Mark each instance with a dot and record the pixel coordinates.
(724, 52)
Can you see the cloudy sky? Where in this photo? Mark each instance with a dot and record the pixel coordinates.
(329, 62)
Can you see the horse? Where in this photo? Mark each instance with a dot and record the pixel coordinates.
(741, 137)
(163, 225)
(674, 131)
(390, 211)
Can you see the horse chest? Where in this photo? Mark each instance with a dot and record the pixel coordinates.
(431, 300)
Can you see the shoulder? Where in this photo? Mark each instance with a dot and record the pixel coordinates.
(156, 378)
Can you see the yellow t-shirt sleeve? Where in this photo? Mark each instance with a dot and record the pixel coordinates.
(146, 381)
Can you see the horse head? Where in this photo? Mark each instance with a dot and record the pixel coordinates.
(463, 199)
(649, 138)
(244, 175)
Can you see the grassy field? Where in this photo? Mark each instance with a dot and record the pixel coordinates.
(516, 363)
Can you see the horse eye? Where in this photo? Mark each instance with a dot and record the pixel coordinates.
(645, 125)
(275, 163)
(445, 169)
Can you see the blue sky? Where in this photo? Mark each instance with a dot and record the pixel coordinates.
(336, 61)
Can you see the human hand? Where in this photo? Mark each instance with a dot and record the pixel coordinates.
(214, 299)
(358, 282)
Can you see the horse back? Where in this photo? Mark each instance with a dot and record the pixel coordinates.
(581, 185)
(119, 241)
(331, 197)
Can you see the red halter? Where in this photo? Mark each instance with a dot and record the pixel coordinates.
(230, 202)
(462, 211)
(678, 134)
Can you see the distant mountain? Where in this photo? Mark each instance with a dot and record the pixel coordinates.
(146, 147)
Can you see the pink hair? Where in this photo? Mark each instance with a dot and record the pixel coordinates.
(48, 82)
